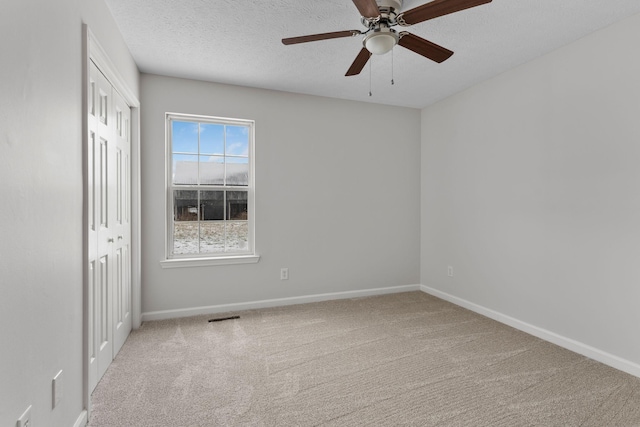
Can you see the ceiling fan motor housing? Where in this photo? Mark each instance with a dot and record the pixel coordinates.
(393, 4)
(389, 9)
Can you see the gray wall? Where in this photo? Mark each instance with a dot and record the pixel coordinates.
(530, 191)
(337, 200)
(41, 200)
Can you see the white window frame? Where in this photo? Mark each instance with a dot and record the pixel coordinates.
(208, 259)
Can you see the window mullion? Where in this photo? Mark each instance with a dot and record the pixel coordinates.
(224, 184)
(199, 206)
(224, 219)
(199, 193)
(224, 158)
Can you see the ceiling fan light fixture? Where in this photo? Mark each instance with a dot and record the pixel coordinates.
(380, 42)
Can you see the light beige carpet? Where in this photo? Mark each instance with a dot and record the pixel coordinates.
(401, 359)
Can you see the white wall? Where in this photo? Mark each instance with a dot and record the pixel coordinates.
(41, 200)
(337, 202)
(530, 191)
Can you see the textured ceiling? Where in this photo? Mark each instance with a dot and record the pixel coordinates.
(238, 42)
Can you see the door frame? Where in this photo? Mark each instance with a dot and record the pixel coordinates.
(93, 51)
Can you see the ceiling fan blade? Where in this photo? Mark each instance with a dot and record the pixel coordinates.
(424, 47)
(367, 8)
(359, 63)
(322, 36)
(436, 8)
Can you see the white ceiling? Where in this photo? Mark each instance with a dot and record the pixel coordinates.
(238, 42)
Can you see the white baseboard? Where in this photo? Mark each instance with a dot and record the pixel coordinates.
(568, 343)
(277, 302)
(82, 420)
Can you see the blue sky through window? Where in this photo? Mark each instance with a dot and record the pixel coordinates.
(184, 137)
(212, 139)
(237, 140)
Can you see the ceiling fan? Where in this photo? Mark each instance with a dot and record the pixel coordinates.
(380, 16)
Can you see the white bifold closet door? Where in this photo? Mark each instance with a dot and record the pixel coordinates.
(109, 222)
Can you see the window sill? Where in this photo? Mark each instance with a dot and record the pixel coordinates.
(205, 262)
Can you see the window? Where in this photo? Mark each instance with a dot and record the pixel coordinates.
(210, 190)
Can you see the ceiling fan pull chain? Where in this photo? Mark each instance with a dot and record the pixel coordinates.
(392, 82)
(370, 77)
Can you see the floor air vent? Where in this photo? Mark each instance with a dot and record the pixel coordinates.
(220, 319)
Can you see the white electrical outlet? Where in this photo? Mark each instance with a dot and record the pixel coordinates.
(450, 271)
(284, 274)
(25, 418)
(56, 390)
